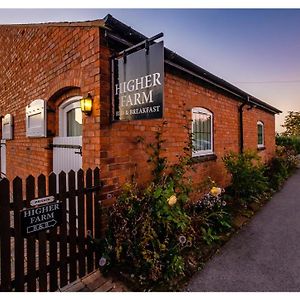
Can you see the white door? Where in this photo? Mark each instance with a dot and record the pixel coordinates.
(3, 158)
(67, 154)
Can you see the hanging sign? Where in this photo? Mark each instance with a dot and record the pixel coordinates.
(138, 84)
(40, 218)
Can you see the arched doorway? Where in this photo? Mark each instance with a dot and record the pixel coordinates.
(67, 147)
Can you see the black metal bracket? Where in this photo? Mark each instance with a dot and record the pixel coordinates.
(146, 43)
(51, 146)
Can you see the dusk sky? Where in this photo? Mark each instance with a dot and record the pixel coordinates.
(256, 50)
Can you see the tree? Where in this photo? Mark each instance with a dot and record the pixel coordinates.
(292, 124)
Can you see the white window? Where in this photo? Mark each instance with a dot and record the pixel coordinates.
(36, 119)
(260, 134)
(70, 118)
(202, 131)
(7, 127)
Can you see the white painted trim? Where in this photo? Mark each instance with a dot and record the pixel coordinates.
(263, 134)
(3, 158)
(7, 127)
(37, 107)
(66, 106)
(202, 110)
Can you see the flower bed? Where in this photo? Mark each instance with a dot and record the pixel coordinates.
(157, 238)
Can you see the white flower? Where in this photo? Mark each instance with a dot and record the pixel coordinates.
(102, 261)
(182, 239)
(189, 243)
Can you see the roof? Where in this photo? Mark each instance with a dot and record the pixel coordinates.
(128, 36)
(92, 23)
(131, 37)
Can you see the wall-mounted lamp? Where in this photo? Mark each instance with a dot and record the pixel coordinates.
(86, 104)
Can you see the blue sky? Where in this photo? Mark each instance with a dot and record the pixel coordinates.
(257, 50)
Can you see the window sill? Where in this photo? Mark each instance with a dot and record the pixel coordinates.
(261, 148)
(203, 158)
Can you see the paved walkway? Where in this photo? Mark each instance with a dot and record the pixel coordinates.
(95, 282)
(265, 255)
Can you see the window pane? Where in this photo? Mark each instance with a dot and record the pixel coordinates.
(74, 122)
(260, 134)
(202, 131)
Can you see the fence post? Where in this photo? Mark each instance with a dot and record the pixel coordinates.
(63, 231)
(53, 240)
(72, 226)
(89, 218)
(97, 211)
(42, 241)
(31, 256)
(19, 240)
(81, 223)
(5, 235)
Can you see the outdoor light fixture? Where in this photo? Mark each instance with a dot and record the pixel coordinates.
(86, 104)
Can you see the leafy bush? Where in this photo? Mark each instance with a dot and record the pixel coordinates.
(149, 230)
(247, 175)
(210, 215)
(281, 166)
(290, 142)
(153, 232)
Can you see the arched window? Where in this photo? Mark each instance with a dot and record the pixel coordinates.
(260, 134)
(202, 131)
(70, 117)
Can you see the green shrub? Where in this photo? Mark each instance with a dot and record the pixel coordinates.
(149, 230)
(153, 232)
(247, 175)
(291, 143)
(209, 214)
(281, 166)
(277, 172)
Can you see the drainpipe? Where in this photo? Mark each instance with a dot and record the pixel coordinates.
(242, 124)
(1, 117)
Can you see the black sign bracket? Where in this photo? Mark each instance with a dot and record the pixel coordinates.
(146, 43)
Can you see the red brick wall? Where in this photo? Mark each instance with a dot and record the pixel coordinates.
(121, 156)
(54, 63)
(250, 132)
(49, 63)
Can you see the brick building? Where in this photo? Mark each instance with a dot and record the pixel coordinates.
(47, 68)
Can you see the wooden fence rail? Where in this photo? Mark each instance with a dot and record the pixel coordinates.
(52, 258)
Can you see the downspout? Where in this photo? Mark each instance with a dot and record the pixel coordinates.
(242, 124)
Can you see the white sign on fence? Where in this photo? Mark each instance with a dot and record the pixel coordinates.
(40, 201)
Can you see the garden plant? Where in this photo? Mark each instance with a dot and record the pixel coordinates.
(157, 237)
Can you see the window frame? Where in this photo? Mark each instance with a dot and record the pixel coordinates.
(204, 111)
(261, 123)
(64, 108)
